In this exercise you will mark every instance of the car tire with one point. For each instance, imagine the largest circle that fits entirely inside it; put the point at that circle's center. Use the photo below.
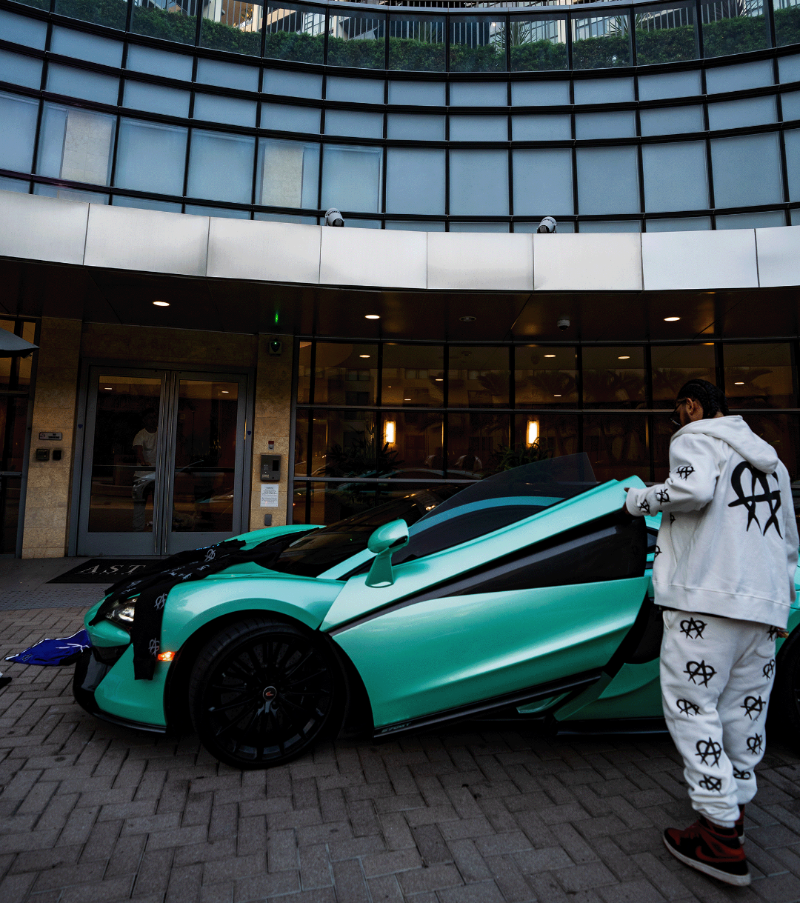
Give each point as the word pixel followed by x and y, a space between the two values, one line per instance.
pixel 263 691
pixel 784 706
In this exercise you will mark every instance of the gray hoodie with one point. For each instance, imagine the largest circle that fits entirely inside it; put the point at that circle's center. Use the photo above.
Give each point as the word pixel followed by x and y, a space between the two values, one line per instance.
pixel 728 539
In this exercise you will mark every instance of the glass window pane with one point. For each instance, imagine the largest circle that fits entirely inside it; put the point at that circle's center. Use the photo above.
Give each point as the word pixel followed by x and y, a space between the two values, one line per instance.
pixel 294 32
pixel 220 212
pixel 16 145
pixel 605 125
pixel 667 85
pixel 346 374
pixel 758 376
pixel 140 143
pixel 792 141
pixel 539 94
pixel 415 226
pixel 70 194
pixel 286 218
pixel 666 35
pixel 85 46
pixel 354 124
pixel 417 450
pixel 614 377
pixel 675 176
pixel 790 105
pixel 422 94
pixel 731 27
pixel 478 94
pixel 782 433
pixel 412 375
pixel 541 127
pixel 304 373
pixel 679 224
pixel 21 30
pixel 170 65
pixel 221 167
pixel 608 180
pixel 617 445
pixel 416 43
pixel 20 70
pixel 674 365
pixel 361 223
pixel 739 77
pixel 477 44
pixel 18 185
pixel 119 200
pixel 479 227
pixel 545 376
pixel 604 90
pixel 543 182
pixel 83 84
pixel 327 503
pixel 351 178
pixel 415 180
pixel 216 108
pixel 528 227
pixel 763 220
pixel 734 113
pixel 233 26
pixel 415 127
pixel 357 40
pixel 556 434
pixel 354 90
pixel 786 14
pixel 672 120
pixel 112 13
pixel 292 84
pixel 478 377
pixel 227 75
pixel 13 423
pixel 538 43
pixel 601 42
pixel 155 99
pixel 168 21
pixel 284 118
pixel 76 144
pixel 344 443
pixel 478 183
pixel 475 444
pixel 611 226
pixel 288 173
pixel 478 128
pixel 747 170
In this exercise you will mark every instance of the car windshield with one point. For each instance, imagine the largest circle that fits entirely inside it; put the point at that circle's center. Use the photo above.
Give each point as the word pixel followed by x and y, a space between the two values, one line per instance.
pixel 322 549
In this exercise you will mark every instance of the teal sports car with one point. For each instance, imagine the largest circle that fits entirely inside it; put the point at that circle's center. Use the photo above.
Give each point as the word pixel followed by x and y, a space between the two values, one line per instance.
pixel 523 596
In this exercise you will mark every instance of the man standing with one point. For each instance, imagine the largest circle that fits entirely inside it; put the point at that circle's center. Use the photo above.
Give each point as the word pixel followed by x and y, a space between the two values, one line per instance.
pixel 724 574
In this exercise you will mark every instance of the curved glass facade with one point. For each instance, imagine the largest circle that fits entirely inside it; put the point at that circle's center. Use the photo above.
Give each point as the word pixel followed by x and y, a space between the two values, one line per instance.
pixel 652 117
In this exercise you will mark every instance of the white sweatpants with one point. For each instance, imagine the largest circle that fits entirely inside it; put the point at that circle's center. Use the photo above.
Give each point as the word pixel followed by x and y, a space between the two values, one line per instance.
pixel 716 677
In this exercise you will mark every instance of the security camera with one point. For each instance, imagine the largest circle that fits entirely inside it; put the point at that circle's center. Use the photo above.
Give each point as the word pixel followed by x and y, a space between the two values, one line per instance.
pixel 333 218
pixel 563 323
pixel 275 346
pixel 548 224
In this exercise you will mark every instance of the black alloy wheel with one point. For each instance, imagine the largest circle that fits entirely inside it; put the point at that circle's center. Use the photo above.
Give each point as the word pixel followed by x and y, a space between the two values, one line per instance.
pixel 784 705
pixel 262 692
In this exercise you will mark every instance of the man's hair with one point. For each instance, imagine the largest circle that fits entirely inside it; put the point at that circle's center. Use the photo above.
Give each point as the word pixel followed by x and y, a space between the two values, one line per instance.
pixel 707 395
pixel 147 411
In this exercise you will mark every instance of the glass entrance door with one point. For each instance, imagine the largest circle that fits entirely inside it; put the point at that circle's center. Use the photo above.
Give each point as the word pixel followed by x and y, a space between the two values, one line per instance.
pixel 163 461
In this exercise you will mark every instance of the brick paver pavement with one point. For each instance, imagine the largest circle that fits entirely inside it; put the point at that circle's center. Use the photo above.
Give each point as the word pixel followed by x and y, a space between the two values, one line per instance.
pixel 93 812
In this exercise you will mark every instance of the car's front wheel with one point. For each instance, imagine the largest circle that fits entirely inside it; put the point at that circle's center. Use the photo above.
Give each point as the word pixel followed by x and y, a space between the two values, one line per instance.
pixel 262 692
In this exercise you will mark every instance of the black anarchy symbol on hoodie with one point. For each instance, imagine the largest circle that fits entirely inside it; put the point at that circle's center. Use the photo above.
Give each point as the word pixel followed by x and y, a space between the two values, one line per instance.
pixel 750 502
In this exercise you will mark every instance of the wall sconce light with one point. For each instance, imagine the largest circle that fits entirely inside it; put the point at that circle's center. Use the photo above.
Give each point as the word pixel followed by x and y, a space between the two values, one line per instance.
pixel 389 432
pixel 532 432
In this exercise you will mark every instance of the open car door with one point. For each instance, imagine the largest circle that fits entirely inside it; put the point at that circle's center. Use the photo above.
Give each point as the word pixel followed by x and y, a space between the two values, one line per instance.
pixel 516 589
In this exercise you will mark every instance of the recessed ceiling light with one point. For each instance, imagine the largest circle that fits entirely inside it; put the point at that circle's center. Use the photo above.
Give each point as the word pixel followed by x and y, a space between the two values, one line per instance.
pixel 363 355
pixel 624 357
pixel 671 319
pixel 556 396
pixel 549 355
pixel 108 388
pixel 225 392
pixel 372 316
pixel 738 384
pixel 161 303
pixel 439 379
pixel 708 343
pixel 406 399
pixel 467 319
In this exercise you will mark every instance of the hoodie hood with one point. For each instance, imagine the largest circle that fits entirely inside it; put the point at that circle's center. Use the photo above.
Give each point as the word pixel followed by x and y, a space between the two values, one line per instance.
pixel 733 430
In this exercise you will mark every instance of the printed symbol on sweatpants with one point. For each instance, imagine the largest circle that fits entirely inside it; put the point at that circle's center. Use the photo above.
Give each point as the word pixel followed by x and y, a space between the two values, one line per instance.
pixel 709 783
pixel 692 629
pixel 672 518
pixel 700 673
pixel 662 495
pixel 742 775
pixel 685 707
pixel 644 505
pixel 769 668
pixel 753 704
pixel 774 632
pixel 685 471
pixel 755 744
pixel 656 552
pixel 708 751
pixel 153 646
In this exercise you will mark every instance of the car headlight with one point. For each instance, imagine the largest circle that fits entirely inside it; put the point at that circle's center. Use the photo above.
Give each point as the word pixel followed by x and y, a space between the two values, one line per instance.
pixel 121 613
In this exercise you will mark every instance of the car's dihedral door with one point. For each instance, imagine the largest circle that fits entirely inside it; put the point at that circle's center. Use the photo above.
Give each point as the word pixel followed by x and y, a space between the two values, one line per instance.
pixel 540 601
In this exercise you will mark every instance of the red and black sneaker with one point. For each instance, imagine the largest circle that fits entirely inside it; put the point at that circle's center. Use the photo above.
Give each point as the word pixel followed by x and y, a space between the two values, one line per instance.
pixel 739 825
pixel 710 849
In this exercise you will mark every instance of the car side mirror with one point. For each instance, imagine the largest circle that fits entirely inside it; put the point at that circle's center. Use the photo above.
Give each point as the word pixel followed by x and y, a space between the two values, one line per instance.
pixel 383 542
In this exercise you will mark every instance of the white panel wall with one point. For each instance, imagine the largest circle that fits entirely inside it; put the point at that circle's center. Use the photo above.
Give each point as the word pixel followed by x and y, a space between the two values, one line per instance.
pixel 594 262
pixel 672 261
pixel 34 228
